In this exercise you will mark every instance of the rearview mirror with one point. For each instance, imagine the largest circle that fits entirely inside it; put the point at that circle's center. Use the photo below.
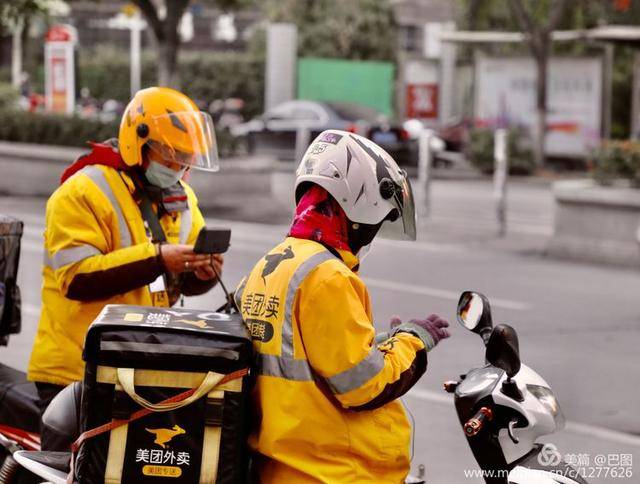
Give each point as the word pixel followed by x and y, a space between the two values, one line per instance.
pixel 474 313
pixel 503 349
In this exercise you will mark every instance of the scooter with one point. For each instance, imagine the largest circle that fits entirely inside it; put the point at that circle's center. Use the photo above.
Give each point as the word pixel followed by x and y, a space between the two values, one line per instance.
pixel 504 406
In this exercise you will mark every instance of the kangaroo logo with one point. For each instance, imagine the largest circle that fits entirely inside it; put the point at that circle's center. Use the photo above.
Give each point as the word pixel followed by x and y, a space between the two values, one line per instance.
pixel 164 436
pixel 201 323
pixel 273 261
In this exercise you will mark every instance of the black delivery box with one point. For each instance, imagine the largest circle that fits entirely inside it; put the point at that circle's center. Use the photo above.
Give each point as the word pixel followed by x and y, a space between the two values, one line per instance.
pixel 138 357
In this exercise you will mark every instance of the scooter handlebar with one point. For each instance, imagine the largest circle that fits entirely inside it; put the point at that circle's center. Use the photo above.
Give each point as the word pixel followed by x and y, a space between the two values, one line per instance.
pixel 475 424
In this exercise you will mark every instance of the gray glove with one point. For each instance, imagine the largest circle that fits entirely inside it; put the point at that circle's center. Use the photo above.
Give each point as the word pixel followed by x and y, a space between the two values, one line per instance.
pixel 430 330
pixel 385 335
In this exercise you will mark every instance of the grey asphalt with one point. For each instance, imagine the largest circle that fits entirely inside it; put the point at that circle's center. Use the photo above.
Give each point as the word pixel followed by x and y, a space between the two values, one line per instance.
pixel 578 324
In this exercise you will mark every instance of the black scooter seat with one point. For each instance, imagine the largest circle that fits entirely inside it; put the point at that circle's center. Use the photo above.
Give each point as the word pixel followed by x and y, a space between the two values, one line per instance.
pixel 18 400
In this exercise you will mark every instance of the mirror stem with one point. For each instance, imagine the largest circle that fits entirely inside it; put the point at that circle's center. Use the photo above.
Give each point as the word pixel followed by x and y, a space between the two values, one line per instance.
pixel 510 389
pixel 485 334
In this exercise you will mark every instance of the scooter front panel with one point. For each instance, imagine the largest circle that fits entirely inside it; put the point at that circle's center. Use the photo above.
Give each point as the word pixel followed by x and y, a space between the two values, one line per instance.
pixel 540 422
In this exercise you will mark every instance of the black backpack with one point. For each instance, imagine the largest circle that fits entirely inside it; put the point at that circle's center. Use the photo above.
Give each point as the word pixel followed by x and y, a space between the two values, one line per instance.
pixel 10 234
pixel 143 364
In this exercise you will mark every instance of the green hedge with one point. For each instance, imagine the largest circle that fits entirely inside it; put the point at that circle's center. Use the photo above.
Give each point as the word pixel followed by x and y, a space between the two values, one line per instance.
pixel 521 161
pixel 53 129
pixel 204 76
pixel 8 96
pixel 56 129
pixel 616 160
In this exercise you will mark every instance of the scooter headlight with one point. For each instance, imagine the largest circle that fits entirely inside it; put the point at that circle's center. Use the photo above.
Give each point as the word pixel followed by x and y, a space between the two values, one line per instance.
pixel 548 400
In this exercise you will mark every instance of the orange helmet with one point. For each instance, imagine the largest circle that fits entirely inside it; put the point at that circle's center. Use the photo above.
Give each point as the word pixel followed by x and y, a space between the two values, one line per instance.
pixel 169 122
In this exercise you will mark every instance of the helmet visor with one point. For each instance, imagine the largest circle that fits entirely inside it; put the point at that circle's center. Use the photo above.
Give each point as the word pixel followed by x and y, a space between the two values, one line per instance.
pixel 402 224
pixel 186 138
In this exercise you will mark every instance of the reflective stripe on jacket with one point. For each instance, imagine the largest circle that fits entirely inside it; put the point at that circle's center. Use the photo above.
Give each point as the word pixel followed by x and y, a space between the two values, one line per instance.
pixel 326 395
pixel 97 252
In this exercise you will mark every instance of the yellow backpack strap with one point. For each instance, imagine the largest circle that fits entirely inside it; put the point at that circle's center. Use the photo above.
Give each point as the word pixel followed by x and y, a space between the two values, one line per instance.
pixel 117 447
pixel 126 377
pixel 212 438
pixel 213 432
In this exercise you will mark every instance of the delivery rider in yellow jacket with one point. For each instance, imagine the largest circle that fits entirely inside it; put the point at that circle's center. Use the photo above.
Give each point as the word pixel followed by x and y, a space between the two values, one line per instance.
pixel 326 396
pixel 102 244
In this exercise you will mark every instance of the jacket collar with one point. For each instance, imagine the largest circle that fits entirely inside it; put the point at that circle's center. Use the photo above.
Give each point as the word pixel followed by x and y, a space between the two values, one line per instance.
pixel 350 260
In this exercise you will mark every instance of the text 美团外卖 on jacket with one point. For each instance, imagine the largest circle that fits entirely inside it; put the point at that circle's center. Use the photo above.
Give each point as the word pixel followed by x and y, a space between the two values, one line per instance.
pixel 97 252
pixel 326 396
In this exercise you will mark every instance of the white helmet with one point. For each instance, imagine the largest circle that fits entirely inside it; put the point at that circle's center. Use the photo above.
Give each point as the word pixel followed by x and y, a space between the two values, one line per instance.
pixel 363 178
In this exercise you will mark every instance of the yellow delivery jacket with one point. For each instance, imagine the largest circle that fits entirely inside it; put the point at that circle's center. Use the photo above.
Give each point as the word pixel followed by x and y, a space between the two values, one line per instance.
pixel 97 252
pixel 326 395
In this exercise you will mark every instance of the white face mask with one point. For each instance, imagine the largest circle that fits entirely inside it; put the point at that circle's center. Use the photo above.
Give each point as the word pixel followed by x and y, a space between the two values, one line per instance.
pixel 163 176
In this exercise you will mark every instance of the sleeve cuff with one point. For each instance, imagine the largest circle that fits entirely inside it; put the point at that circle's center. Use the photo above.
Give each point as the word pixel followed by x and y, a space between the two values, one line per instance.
pixel 382 337
pixel 417 331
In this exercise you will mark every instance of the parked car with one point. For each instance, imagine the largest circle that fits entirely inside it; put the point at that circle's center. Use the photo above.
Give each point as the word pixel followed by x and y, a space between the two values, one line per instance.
pixel 274 133
pixel 455 134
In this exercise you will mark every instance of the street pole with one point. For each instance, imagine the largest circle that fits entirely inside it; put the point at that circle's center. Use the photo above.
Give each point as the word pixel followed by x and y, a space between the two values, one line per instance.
pixel 281 64
pixel 424 167
pixel 500 179
pixel 608 89
pixel 635 98
pixel 447 78
pixel 16 54
pixel 136 27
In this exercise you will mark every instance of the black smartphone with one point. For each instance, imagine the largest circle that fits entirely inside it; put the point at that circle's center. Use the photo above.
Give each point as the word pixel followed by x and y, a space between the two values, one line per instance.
pixel 212 241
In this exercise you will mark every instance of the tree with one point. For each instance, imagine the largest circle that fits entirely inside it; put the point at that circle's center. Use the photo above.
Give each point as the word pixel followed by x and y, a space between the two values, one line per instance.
pixel 579 14
pixel 165 31
pixel 537 19
pixel 15 17
pixel 538 27
pixel 15 10
pixel 354 29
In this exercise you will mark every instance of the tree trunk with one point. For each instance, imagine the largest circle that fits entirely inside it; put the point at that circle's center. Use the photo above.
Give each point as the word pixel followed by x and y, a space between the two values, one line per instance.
pixel 167 60
pixel 541 108
pixel 540 45
pixel 16 55
pixel 165 34
pixel 26 45
pixel 169 44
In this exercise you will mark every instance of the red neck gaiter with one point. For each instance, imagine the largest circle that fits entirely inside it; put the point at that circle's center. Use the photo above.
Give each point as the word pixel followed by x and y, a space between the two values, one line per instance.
pixel 101 154
pixel 320 218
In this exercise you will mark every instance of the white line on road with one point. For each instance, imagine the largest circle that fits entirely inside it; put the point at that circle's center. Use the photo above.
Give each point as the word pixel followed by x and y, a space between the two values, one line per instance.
pixel 602 433
pixel 430 396
pixel 472 225
pixel 33 231
pixel 571 427
pixel 257 233
pixel 31 246
pixel 410 288
pixel 417 245
pixel 440 293
pixel 31 310
pixel 243 247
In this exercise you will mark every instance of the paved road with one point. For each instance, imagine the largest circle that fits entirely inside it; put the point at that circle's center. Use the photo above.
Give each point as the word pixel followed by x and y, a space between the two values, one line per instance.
pixel 577 324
